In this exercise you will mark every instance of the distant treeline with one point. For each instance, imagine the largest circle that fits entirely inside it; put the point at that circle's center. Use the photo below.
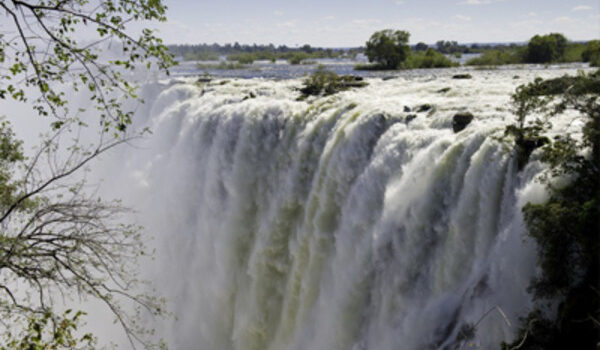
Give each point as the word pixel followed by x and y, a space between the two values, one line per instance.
pixel 551 48
pixel 247 54
pixel 453 47
pixel 544 49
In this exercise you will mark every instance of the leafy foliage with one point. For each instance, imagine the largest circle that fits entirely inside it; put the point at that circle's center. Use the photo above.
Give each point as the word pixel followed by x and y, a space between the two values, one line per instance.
pixel 39 49
pixel 497 57
pixel 552 48
pixel 428 59
pixel 48 331
pixel 591 53
pixel 388 48
pixel 56 238
pixel 566 227
pixel 546 48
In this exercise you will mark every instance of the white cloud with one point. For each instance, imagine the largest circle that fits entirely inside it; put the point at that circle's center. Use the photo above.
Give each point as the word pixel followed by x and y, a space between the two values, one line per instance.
pixel 478 2
pixel 399 2
pixel 463 18
pixel 563 19
pixel 532 14
pixel 582 8
pixel 287 24
pixel 278 13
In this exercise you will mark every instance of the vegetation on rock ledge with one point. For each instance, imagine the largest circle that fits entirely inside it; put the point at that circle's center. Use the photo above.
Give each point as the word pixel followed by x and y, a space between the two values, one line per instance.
pixel 324 82
pixel 567 227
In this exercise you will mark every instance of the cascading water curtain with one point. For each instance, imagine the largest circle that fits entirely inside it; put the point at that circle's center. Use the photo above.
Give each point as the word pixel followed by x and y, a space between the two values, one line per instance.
pixel 337 222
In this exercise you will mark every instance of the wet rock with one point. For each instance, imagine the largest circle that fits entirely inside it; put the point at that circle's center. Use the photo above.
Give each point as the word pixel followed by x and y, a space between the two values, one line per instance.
pixel 350 81
pixel 424 108
pixel 526 146
pixel 406 109
pixel 443 91
pixel 249 96
pixel 203 80
pixel 410 118
pixel 462 76
pixel 461 120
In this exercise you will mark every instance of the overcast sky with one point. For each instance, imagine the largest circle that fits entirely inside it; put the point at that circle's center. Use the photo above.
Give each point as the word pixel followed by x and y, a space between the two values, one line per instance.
pixel 343 23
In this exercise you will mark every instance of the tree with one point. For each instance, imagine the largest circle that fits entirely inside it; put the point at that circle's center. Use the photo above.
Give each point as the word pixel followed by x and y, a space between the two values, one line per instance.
pixel 388 48
pixel 58 239
pixel 591 53
pixel 421 46
pixel 448 46
pixel 546 48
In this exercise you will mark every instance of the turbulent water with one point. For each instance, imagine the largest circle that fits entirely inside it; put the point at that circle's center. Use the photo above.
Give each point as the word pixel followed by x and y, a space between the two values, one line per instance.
pixel 336 222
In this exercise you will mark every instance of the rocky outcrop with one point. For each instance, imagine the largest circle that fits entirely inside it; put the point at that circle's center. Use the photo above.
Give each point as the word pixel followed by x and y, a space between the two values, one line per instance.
pixel 423 108
pixel 461 120
pixel 462 76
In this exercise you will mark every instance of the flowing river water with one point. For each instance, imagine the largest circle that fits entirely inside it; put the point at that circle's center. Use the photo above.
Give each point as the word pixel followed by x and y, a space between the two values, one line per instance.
pixel 338 222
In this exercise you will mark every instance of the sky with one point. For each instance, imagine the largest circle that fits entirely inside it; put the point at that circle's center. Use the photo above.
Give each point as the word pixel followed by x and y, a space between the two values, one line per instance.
pixel 349 23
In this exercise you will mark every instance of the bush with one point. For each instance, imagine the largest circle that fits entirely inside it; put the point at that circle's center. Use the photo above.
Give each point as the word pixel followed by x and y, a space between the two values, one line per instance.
pixel 243 58
pixel 298 57
pixel 496 58
pixel 324 82
pixel 573 52
pixel 200 56
pixel 428 59
pixel 388 48
pixel 591 53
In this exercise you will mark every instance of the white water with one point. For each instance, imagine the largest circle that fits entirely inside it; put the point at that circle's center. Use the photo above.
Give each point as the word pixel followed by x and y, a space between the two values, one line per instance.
pixel 334 224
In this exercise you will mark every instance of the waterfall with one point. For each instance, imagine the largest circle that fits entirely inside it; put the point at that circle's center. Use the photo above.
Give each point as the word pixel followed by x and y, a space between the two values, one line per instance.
pixel 336 222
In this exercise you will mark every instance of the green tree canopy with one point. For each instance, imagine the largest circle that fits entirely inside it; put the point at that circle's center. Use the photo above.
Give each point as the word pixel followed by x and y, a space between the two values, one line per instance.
pixel 41 47
pixel 421 46
pixel 388 48
pixel 546 48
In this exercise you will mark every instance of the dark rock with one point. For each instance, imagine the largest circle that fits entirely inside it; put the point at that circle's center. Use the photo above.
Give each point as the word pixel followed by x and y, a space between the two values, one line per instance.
pixel 424 108
pixel 530 144
pixel 410 118
pixel 461 120
pixel 249 96
pixel 516 77
pixel 406 109
pixel 443 91
pixel 389 77
pixel 526 146
pixel 462 76
pixel 204 80
pixel 350 81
